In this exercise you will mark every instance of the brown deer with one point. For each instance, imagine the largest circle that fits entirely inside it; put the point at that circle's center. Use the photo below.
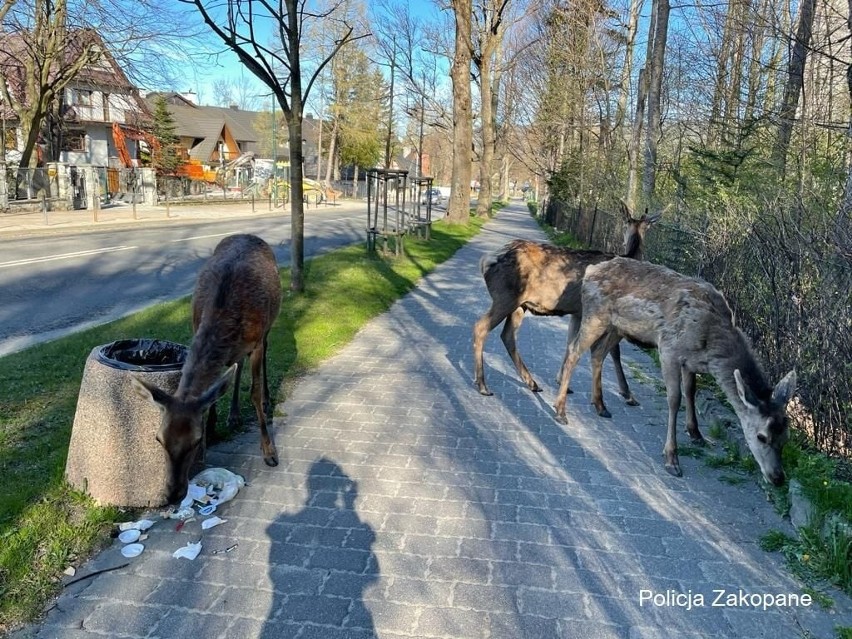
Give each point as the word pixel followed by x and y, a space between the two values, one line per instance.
pixel 693 328
pixel 235 302
pixel 545 280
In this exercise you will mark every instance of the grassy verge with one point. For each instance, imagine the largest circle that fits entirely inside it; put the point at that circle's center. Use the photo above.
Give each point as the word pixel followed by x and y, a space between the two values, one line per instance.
pixel 44 525
pixel 822 553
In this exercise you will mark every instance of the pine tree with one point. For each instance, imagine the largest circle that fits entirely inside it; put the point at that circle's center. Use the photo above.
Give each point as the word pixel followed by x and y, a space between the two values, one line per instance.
pixel 165 157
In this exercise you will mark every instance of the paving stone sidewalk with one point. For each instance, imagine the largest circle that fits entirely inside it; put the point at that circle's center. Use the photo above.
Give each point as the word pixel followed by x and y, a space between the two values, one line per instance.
pixel 407 505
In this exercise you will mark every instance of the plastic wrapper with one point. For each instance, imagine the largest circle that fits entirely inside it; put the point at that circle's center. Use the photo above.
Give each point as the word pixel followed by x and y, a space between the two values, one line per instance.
pixel 190 551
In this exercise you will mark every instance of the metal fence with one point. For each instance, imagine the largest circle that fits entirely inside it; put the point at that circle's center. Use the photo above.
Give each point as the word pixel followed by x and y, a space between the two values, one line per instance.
pixel 787 275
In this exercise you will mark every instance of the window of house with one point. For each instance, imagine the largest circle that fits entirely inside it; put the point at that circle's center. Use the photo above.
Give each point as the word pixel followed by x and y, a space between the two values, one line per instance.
pixel 81 97
pixel 74 141
pixel 106 107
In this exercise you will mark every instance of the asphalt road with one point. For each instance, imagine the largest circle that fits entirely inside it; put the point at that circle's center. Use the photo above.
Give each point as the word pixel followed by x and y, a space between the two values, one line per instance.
pixel 58 284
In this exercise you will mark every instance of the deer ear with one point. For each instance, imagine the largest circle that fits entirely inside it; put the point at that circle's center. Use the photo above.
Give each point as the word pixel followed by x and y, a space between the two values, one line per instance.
pixel 625 211
pixel 784 390
pixel 150 392
pixel 744 393
pixel 217 389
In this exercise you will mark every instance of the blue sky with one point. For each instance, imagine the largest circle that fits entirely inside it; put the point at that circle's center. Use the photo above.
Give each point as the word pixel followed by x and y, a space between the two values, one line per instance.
pixel 223 63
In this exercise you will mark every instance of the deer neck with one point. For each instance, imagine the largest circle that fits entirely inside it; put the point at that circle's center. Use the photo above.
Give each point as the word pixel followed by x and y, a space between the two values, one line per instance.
pixel 633 247
pixel 738 356
pixel 204 363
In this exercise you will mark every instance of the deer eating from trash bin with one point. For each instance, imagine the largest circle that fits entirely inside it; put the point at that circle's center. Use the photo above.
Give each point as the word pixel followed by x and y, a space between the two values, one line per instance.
pixel 692 326
pixel 545 280
pixel 236 300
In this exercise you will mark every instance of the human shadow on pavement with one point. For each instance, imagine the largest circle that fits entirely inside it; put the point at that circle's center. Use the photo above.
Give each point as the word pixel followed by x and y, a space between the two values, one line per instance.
pixel 321 561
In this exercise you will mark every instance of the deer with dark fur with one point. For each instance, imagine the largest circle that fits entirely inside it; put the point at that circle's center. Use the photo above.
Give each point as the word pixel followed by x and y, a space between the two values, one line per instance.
pixel 692 326
pixel 545 280
pixel 236 300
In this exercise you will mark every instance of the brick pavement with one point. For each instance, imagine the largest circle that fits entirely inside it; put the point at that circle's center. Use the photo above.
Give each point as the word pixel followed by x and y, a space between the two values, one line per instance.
pixel 407 505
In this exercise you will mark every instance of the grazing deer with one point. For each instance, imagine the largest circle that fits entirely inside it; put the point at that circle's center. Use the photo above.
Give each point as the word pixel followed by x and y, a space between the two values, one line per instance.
pixel 236 300
pixel 693 328
pixel 544 280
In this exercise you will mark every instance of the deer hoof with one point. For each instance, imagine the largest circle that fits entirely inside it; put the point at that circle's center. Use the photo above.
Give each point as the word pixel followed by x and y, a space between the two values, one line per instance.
pixel 561 418
pixel 271 459
pixel 484 391
pixel 698 440
pixel 535 388
pixel 674 470
pixel 603 412
pixel 631 401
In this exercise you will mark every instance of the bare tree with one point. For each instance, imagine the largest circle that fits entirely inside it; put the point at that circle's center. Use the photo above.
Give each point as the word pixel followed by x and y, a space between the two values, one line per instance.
pixel 795 80
pixel 458 210
pixel 44 44
pixel 657 35
pixel 490 27
pixel 278 65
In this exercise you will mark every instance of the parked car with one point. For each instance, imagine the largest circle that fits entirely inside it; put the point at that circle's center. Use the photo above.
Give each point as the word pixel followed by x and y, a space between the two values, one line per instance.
pixel 432 195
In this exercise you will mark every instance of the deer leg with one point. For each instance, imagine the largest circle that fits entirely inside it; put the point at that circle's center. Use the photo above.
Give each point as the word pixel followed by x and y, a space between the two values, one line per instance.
pixel 599 351
pixel 508 335
pixel 590 332
pixel 672 378
pixel 267 398
pixel 483 326
pixel 691 418
pixel 234 420
pixel 623 388
pixel 267 444
pixel 573 328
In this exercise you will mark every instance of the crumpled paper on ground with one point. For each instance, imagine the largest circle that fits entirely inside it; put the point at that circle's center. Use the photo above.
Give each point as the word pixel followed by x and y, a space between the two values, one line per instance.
pixel 190 551
pixel 212 521
pixel 142 524
pixel 219 484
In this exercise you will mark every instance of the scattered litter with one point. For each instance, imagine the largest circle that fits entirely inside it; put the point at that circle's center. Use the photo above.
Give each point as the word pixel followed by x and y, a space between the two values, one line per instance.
pixel 132 550
pixel 207 510
pixel 212 521
pixel 190 551
pixel 70 571
pixel 129 536
pixel 224 550
pixel 220 484
pixel 184 513
pixel 142 524
pixel 196 492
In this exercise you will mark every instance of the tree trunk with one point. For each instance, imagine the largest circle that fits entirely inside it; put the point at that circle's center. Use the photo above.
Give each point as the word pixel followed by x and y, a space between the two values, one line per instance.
pixel 332 150
pixel 294 122
pixel 843 235
pixel 483 202
pixel 793 89
pixel 635 140
pixel 458 210
pixel 627 69
pixel 655 87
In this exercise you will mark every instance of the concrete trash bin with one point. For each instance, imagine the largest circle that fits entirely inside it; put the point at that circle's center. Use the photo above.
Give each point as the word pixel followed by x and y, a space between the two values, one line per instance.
pixel 114 455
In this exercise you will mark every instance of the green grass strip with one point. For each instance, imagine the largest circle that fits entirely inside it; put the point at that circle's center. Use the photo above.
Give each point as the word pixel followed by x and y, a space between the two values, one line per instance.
pixel 44 525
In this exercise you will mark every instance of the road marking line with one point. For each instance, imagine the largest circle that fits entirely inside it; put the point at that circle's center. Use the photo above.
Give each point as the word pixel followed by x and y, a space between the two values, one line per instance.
pixel 65 256
pixel 201 237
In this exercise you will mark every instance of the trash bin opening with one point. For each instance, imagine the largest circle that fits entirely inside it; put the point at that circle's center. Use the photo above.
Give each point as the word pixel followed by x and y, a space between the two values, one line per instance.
pixel 143 355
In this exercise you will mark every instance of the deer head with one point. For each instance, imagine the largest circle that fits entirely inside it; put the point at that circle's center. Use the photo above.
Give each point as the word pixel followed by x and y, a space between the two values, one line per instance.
pixel 635 228
pixel 181 431
pixel 765 426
